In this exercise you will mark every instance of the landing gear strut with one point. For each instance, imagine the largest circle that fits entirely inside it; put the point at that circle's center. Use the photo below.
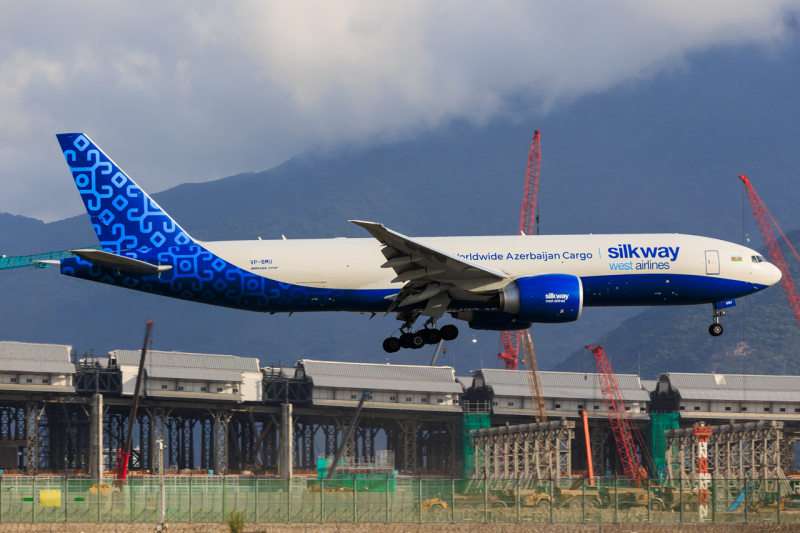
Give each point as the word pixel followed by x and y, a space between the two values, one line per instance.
pixel 716 328
pixel 416 340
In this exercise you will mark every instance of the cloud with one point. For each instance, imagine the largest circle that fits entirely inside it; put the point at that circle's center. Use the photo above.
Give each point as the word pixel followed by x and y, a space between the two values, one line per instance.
pixel 192 91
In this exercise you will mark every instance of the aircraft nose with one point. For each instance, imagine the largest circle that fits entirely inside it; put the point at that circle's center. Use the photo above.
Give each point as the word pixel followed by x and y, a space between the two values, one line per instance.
pixel 776 274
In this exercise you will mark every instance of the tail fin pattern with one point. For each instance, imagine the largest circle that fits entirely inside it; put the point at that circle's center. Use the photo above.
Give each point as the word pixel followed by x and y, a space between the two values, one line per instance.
pixel 124 217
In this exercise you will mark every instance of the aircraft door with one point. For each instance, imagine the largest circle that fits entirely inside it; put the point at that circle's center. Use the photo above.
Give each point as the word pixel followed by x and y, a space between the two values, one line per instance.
pixel 712 262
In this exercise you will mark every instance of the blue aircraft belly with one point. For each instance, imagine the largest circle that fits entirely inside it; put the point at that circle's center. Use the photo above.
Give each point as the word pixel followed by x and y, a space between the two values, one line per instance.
pixel 661 289
pixel 199 276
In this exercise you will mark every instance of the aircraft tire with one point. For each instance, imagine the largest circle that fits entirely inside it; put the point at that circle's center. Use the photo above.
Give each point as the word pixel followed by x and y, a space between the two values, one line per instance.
pixel 416 341
pixel 449 332
pixel 404 340
pixel 433 336
pixel 715 330
pixel 391 345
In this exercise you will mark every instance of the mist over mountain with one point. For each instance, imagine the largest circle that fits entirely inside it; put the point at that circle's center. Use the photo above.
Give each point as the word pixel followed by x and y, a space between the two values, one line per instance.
pixel 653 156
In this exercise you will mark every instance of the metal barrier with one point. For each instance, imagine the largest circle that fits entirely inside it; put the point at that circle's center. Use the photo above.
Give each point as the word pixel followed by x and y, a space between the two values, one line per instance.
pixel 391 499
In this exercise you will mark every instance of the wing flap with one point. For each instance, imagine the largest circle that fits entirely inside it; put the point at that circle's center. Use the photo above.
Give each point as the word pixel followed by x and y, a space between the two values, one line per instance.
pixel 430 274
pixel 410 254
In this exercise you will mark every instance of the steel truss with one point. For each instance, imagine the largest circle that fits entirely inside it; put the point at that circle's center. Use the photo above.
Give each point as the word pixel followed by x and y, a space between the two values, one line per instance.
pixel 54 434
pixel 747 451
pixel 221 421
pixel 539 451
pixel 158 416
pixel 598 436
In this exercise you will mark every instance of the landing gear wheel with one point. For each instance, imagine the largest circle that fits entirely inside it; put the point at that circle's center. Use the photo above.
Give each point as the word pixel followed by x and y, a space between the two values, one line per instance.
pixel 432 336
pixel 391 345
pixel 415 341
pixel 405 339
pixel 715 330
pixel 449 332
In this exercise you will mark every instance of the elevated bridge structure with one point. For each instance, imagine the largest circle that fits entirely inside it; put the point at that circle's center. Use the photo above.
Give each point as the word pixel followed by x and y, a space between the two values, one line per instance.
pixel 61 413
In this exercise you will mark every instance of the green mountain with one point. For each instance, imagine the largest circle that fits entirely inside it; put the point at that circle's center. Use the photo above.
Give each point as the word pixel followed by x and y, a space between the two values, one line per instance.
pixel 761 336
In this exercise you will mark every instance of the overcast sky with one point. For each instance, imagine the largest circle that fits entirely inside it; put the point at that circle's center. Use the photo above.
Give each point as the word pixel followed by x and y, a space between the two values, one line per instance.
pixel 194 91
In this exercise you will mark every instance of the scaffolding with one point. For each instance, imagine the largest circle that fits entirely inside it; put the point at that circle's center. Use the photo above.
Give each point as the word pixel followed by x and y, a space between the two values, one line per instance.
pixel 540 451
pixel 735 453
pixel 382 462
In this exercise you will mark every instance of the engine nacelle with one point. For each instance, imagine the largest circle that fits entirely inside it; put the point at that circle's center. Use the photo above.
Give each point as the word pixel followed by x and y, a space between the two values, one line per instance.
pixel 549 298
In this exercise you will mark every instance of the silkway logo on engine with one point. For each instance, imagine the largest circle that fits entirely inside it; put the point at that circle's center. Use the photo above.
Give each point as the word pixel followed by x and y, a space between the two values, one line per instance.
pixel 555 298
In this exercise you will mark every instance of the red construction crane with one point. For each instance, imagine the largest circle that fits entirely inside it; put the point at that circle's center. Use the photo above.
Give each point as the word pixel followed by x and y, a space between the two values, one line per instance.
pixel 124 454
pixel 510 340
pixel 510 353
pixel 621 426
pixel 526 218
pixel 516 343
pixel 760 212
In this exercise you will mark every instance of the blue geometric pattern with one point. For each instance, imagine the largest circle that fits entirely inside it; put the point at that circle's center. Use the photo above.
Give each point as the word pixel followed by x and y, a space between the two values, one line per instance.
pixel 126 220
pixel 197 275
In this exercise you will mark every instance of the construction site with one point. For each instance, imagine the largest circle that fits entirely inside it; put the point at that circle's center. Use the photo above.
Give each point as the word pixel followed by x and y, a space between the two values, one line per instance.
pixel 145 436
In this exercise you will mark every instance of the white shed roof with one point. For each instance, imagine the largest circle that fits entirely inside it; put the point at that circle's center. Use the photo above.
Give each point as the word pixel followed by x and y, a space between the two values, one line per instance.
pixel 205 361
pixel 734 387
pixel 370 376
pixel 29 357
pixel 565 385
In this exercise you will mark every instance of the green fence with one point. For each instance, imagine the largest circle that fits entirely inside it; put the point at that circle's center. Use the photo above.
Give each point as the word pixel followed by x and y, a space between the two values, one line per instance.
pixel 209 499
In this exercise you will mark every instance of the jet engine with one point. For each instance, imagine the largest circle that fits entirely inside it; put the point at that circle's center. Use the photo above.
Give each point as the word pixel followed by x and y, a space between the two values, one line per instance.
pixel 549 298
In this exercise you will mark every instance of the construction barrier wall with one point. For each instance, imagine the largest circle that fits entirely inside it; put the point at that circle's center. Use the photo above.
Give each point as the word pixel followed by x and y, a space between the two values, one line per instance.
pixel 210 499
pixel 469 423
pixel 657 441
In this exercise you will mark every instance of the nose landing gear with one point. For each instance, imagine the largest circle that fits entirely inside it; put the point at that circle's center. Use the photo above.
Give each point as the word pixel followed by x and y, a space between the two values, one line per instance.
pixel 716 328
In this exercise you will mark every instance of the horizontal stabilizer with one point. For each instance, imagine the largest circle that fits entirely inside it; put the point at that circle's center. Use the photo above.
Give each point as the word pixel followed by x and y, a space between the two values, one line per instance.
pixel 119 262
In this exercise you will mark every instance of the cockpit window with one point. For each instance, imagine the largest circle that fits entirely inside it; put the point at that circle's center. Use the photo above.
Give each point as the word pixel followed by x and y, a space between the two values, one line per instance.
pixel 758 259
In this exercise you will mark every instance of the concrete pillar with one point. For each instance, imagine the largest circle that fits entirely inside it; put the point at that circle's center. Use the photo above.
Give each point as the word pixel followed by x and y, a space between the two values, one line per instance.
pixel 96 438
pixel 285 466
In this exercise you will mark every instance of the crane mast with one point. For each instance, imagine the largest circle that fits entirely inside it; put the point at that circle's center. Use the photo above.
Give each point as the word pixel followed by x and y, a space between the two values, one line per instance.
pixel 516 343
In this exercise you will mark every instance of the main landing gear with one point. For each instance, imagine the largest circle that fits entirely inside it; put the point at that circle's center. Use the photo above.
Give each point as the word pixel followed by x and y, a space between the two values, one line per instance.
pixel 416 340
pixel 716 328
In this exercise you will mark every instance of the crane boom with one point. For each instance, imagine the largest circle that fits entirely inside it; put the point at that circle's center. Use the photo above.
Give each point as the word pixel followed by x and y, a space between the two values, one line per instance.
pixel 348 435
pixel 760 212
pixel 534 383
pixel 514 342
pixel 509 355
pixel 526 218
pixel 615 406
pixel 38 260
pixel 124 454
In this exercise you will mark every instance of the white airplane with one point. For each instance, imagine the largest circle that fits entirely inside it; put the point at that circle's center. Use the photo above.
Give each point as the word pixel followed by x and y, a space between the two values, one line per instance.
pixel 493 283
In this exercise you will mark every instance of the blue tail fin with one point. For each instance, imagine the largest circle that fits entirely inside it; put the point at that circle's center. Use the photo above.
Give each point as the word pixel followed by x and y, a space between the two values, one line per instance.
pixel 123 215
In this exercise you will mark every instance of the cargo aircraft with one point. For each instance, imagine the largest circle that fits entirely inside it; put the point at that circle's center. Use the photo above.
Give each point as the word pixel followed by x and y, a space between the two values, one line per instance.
pixel 492 283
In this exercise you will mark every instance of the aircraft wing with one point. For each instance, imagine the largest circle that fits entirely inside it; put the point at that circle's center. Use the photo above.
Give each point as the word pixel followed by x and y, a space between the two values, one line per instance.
pixel 119 262
pixel 428 271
